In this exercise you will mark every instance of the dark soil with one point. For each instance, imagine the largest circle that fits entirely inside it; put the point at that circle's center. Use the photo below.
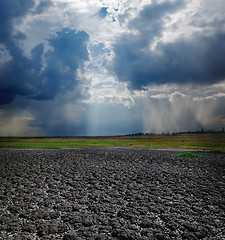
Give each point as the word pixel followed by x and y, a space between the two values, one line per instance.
pixel 106 193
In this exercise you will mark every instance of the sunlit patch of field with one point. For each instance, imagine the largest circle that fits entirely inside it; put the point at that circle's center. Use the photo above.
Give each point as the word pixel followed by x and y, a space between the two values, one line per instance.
pixel 202 141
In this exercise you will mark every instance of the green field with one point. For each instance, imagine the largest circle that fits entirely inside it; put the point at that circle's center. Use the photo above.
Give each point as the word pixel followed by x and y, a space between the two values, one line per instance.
pixel 202 141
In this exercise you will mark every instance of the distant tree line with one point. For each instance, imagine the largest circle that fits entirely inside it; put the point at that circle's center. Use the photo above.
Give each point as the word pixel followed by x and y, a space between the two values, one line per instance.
pixel 168 133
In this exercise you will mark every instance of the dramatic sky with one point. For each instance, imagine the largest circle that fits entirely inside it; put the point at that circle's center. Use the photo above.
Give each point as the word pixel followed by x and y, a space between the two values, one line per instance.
pixel 109 67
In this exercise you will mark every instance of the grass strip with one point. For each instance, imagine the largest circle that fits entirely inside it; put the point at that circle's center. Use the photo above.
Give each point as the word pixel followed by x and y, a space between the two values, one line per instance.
pixel 189 154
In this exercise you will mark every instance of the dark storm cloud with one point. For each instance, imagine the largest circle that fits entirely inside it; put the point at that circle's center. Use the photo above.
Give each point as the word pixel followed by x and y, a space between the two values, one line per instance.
pixel 27 81
pixel 9 10
pixel 199 60
pixel 43 75
pixel 151 19
pixel 60 73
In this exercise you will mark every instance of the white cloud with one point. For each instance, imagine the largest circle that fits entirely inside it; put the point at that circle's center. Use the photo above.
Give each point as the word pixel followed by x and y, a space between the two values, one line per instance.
pixel 212 97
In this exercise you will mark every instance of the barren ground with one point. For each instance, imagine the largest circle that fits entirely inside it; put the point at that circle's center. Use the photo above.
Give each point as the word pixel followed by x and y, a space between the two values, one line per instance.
pixel 111 193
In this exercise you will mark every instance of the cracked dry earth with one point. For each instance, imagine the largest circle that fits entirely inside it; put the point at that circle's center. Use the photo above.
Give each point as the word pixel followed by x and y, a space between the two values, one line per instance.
pixel 111 193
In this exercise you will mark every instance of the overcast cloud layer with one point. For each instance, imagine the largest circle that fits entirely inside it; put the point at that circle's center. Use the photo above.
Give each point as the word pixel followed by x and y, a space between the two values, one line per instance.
pixel 111 67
